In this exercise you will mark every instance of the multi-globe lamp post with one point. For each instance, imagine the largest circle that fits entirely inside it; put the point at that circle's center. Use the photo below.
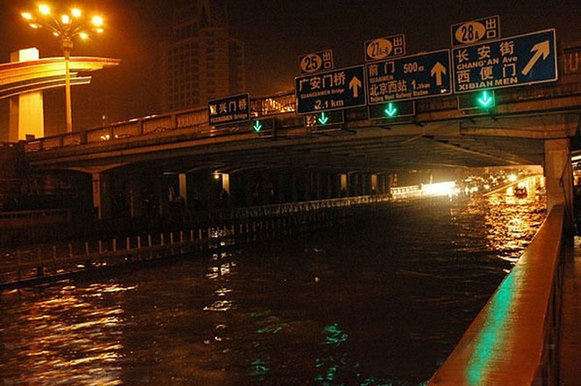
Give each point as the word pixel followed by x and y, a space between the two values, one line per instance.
pixel 65 26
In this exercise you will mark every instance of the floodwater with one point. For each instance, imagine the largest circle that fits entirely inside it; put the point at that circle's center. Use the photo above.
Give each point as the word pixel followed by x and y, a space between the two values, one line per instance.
pixel 379 300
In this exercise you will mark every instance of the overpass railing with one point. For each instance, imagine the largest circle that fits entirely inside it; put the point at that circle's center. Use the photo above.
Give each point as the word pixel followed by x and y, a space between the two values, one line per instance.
pixel 196 119
pixel 514 339
pixel 19 219
pixel 305 206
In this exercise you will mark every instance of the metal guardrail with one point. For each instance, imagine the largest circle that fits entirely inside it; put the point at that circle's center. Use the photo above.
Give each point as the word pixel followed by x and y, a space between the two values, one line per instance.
pixel 304 206
pixel 34 213
pixel 196 119
pixel 33 265
pixel 514 339
pixel 34 218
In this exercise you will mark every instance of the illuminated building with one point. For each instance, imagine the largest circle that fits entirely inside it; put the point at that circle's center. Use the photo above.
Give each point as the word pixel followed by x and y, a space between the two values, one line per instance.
pixel 202 61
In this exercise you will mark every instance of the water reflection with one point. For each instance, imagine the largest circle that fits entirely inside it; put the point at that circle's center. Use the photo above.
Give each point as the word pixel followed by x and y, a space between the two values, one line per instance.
pixel 72 336
pixel 381 300
pixel 512 220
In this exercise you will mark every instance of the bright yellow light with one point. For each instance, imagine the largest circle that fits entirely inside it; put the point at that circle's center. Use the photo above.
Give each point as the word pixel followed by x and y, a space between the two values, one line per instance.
pixel 100 30
pixel 512 178
pixel 44 9
pixel 216 175
pixel 35 26
pixel 84 35
pixel 26 15
pixel 439 189
pixel 76 12
pixel 66 19
pixel 56 34
pixel 97 21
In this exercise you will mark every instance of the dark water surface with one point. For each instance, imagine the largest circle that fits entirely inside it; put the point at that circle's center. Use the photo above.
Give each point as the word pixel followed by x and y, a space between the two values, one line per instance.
pixel 380 300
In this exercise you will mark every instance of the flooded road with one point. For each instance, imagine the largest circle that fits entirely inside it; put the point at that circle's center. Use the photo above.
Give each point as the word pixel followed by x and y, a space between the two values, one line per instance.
pixel 380 300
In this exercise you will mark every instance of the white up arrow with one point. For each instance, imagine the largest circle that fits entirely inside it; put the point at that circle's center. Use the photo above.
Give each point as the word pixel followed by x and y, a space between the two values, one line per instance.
pixel 354 85
pixel 438 70
pixel 540 49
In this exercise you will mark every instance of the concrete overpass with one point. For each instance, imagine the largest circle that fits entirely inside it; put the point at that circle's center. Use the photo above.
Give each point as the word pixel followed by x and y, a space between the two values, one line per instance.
pixel 529 125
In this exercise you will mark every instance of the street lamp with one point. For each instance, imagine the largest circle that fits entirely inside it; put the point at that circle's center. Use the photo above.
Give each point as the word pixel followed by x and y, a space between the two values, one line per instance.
pixel 64 27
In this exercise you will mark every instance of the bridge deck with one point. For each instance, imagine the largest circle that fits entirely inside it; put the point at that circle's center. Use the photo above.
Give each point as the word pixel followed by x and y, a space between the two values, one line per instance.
pixel 570 373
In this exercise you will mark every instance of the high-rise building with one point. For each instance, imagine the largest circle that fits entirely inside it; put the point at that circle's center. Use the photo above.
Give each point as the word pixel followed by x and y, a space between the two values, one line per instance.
pixel 202 61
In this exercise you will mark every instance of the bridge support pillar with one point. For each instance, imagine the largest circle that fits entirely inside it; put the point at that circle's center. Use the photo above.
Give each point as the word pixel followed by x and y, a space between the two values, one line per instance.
pixel 381 183
pixel 558 174
pixel 294 191
pixel 26 110
pixel 343 186
pixel 183 187
pixel 363 184
pixel 280 188
pixel 318 187
pixel 374 184
pixel 329 186
pixel 134 195
pixel 308 181
pixel 102 195
pixel 353 184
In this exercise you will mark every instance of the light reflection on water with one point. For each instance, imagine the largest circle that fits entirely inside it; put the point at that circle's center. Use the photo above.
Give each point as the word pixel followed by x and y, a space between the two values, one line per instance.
pixel 513 221
pixel 379 301
pixel 72 336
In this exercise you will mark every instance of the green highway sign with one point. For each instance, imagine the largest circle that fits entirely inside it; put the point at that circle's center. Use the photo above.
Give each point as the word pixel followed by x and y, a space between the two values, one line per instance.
pixel 229 110
pixel 508 62
pixel 330 90
pixel 410 77
pixel 325 120
pixel 480 100
pixel 264 126
pixel 392 110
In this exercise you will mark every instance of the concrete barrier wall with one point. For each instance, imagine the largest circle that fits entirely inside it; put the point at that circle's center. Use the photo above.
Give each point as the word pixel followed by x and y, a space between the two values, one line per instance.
pixel 514 339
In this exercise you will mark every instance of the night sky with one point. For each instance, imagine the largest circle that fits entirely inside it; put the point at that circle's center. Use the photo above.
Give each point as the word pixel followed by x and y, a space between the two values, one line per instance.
pixel 275 32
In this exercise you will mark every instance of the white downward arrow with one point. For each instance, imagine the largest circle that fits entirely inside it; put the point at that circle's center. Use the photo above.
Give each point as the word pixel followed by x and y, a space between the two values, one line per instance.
pixel 354 85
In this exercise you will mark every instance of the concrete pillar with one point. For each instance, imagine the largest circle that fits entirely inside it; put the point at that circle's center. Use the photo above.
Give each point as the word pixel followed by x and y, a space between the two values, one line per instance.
pixel 160 192
pixel 384 183
pixel 374 185
pixel 211 184
pixel 280 188
pixel 102 195
pixel 26 110
pixel 308 185
pixel 134 195
pixel 225 195
pixel 294 191
pixel 558 174
pixel 183 187
pixel 247 188
pixel 343 185
pixel 360 184
pixel 226 182
pixel 318 187
pixel 352 184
